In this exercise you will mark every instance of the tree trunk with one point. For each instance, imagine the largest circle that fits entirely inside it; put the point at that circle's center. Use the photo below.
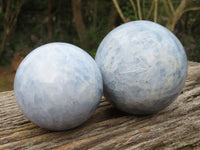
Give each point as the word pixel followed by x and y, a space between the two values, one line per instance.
pixel 1 6
pixel 79 24
pixel 95 15
pixel 139 10
pixel 150 10
pixel 176 15
pixel 166 8
pixel 3 43
pixel 50 20
pixel 10 20
pixel 171 6
pixel 113 17
pixel 116 4
pixel 156 11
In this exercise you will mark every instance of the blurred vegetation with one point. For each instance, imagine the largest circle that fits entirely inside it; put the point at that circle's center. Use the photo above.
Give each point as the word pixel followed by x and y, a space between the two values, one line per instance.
pixel 27 24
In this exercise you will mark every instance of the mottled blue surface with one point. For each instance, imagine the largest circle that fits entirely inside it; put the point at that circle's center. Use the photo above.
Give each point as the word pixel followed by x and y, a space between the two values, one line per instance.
pixel 143 65
pixel 58 86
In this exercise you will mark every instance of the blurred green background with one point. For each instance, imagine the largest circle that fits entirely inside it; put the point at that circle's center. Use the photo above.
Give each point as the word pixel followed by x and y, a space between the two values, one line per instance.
pixel 27 24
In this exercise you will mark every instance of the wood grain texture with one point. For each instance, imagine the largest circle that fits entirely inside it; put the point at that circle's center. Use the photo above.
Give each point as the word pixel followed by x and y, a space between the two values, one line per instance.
pixel 176 127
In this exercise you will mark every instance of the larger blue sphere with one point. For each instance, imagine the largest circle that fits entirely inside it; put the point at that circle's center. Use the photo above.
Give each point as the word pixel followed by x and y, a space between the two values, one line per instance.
pixel 143 65
pixel 58 86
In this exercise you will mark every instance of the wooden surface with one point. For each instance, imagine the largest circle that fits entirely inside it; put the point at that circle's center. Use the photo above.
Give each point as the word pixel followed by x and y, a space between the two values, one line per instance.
pixel 176 127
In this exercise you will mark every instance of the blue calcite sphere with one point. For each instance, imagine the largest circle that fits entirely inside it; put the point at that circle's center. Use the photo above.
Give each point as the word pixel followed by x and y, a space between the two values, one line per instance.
pixel 143 65
pixel 58 86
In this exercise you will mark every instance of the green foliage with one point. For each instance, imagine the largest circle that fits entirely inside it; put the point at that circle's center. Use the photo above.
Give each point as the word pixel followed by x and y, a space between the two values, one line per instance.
pixel 13 7
pixel 92 53
pixel 128 11
pixel 2 14
pixel 191 45
pixel 32 26
pixel 96 20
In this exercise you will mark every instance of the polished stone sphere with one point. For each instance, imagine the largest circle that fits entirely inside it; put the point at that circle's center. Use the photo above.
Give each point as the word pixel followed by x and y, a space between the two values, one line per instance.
pixel 143 65
pixel 58 86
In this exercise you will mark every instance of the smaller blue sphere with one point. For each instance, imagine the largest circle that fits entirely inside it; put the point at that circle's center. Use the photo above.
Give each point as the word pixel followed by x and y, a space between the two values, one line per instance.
pixel 58 86
pixel 143 65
